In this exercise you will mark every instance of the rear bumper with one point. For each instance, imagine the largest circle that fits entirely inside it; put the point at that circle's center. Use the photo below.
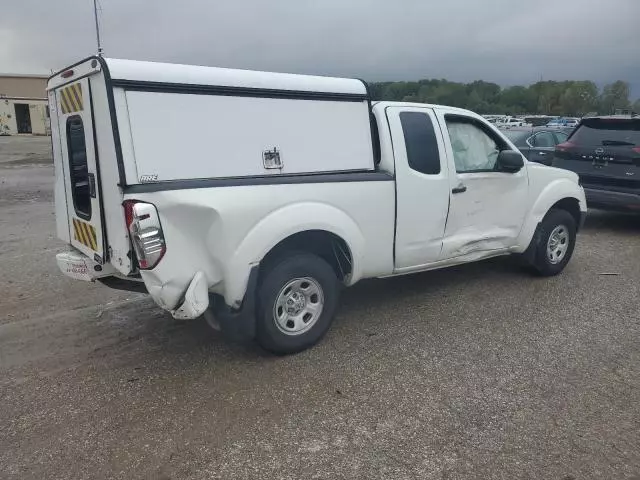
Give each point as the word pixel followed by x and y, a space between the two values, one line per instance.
pixel 611 200
pixel 77 265
pixel 236 324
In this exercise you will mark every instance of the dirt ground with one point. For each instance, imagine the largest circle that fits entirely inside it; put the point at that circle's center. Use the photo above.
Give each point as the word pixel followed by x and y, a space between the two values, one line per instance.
pixel 475 372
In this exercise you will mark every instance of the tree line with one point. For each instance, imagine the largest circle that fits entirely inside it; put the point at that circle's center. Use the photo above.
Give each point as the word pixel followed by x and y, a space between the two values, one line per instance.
pixel 569 98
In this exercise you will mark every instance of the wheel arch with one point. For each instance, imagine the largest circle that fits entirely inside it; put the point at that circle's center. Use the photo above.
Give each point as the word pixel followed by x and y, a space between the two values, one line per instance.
pixel 327 245
pixel 562 194
pixel 571 205
pixel 317 226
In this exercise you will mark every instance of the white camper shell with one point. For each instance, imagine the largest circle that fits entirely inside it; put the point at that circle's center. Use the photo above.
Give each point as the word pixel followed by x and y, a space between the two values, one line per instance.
pixel 251 197
pixel 154 122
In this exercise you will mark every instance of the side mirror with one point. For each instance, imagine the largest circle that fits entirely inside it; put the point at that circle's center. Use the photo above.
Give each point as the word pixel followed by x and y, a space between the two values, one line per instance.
pixel 510 161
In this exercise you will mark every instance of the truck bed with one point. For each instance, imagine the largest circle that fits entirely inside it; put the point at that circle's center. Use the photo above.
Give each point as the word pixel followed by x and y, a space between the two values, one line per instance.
pixel 221 229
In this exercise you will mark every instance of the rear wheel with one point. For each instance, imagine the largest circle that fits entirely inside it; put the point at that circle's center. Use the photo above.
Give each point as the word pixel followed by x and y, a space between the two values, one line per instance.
pixel 554 243
pixel 297 300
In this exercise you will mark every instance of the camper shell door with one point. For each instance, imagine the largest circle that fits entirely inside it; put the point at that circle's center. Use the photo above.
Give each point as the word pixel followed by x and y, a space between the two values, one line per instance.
pixel 74 142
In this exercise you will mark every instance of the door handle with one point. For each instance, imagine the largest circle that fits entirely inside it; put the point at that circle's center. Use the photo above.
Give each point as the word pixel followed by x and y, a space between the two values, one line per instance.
pixel 459 189
pixel 92 185
pixel 542 153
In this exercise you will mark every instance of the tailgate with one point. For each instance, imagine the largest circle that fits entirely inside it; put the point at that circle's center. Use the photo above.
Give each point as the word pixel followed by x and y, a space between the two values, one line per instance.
pixel 73 109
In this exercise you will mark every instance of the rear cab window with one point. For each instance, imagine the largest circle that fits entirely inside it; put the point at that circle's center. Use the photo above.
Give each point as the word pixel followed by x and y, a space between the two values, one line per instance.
pixel 608 132
pixel 420 140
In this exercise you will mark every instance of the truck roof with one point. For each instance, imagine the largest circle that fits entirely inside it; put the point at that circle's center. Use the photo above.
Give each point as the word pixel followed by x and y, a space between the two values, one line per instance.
pixel 134 70
pixel 461 111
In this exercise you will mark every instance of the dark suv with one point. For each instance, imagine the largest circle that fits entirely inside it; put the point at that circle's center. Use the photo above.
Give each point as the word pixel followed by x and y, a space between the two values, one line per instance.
pixel 605 153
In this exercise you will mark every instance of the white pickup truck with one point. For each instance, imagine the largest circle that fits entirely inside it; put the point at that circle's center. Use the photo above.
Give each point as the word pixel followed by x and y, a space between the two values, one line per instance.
pixel 251 198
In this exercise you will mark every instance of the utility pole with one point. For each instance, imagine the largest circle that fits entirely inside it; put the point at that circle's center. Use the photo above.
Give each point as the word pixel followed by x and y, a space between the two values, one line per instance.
pixel 95 15
pixel 539 95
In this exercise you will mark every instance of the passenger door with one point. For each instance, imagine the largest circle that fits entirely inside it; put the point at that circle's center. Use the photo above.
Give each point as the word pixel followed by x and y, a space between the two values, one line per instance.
pixel 488 206
pixel 542 146
pixel 422 186
pixel 81 180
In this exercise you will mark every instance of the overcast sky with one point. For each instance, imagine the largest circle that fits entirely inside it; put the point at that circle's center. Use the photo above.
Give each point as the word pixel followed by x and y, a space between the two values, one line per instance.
pixel 505 41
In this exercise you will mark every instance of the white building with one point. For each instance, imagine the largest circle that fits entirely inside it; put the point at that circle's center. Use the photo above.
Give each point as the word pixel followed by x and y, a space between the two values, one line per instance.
pixel 23 105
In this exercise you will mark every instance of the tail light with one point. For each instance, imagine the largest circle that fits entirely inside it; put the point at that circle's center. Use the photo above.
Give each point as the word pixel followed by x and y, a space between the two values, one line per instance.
pixel 145 231
pixel 563 147
pixel 636 149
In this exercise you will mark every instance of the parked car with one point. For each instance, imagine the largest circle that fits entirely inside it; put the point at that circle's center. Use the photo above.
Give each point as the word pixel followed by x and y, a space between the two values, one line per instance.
pixel 564 122
pixel 605 152
pixel 280 189
pixel 509 122
pixel 492 118
pixel 538 120
pixel 538 143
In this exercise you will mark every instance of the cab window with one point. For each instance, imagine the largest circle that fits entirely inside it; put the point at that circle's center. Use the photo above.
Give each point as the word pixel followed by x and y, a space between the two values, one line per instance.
pixel 421 143
pixel 544 140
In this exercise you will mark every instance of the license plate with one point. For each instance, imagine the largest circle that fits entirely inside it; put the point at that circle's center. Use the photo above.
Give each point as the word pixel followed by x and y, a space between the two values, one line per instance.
pixel 74 267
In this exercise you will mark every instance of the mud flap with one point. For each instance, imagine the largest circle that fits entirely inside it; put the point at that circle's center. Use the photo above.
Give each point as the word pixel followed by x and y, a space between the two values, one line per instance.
pixel 237 325
pixel 528 256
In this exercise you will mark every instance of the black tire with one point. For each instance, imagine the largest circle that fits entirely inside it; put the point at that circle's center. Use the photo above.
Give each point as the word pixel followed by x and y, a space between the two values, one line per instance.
pixel 279 273
pixel 540 261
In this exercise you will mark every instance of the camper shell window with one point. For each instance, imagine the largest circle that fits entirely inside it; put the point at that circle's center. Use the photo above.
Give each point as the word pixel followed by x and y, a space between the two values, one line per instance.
pixel 78 169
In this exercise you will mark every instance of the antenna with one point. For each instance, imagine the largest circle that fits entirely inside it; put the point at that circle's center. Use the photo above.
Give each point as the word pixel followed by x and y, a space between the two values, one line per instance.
pixel 95 15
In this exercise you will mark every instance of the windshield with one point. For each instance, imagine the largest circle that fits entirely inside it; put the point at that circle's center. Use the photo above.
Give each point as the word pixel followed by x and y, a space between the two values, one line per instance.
pixel 517 136
pixel 608 132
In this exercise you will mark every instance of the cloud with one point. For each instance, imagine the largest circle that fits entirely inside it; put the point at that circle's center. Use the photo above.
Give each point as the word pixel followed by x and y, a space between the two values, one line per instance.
pixel 505 41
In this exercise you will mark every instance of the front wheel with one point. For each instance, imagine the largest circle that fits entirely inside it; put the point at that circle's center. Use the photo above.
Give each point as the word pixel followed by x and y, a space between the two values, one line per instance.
pixel 555 243
pixel 297 300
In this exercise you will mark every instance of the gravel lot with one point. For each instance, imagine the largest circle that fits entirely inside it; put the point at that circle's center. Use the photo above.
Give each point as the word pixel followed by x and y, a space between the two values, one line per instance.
pixel 475 372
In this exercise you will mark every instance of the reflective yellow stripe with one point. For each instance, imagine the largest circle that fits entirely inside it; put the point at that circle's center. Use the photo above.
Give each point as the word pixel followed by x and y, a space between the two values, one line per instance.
pixel 94 239
pixel 80 232
pixel 67 99
pixel 77 90
pixel 75 229
pixel 72 101
pixel 71 98
pixel 85 233
pixel 63 102
pixel 83 237
pixel 90 236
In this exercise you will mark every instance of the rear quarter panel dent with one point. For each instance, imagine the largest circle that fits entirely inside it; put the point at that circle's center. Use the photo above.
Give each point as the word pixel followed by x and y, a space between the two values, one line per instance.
pixel 225 231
